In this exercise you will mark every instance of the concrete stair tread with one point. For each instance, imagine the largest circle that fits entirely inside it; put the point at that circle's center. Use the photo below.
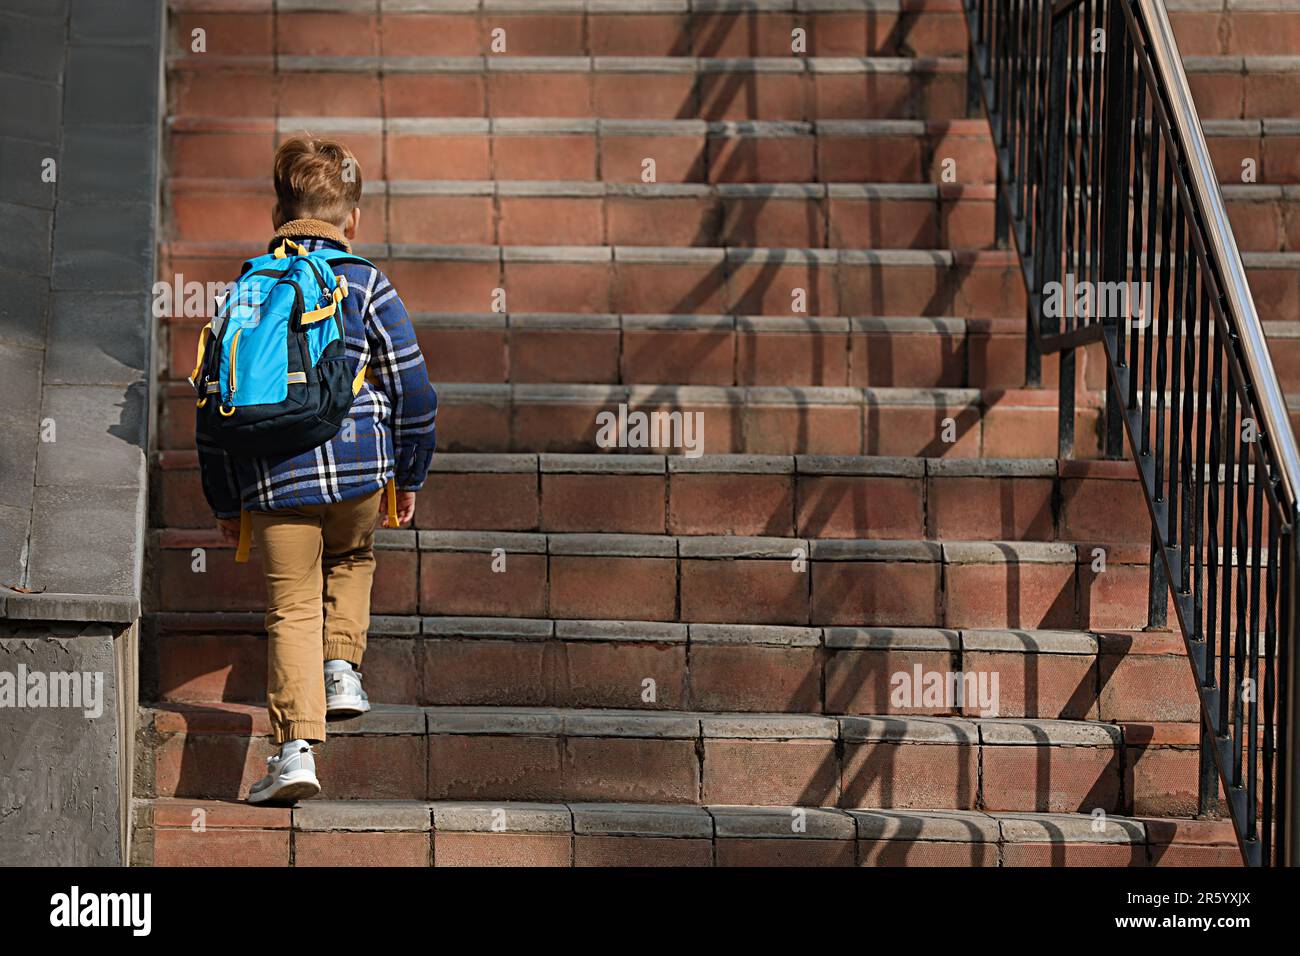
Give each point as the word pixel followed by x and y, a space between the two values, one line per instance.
pixel 581 188
pixel 723 546
pixel 524 833
pixel 820 420
pixel 1114 676
pixel 800 255
pixel 658 396
pixel 342 124
pixel 222 717
pixel 1006 640
pixel 683 64
pixel 598 7
pixel 720 350
pixel 683 820
pixel 638 463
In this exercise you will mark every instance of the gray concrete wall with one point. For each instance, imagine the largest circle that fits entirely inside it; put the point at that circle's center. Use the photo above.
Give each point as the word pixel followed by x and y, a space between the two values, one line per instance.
pixel 79 143
pixel 59 765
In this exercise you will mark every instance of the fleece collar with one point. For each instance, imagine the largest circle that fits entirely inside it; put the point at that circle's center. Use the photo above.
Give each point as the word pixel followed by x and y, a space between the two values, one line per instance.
pixel 313 229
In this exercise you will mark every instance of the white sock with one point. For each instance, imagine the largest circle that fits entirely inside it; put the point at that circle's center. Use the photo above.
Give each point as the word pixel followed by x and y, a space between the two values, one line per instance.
pixel 337 664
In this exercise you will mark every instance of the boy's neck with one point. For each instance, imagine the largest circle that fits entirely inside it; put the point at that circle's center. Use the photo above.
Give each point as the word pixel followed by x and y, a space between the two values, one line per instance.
pixel 313 229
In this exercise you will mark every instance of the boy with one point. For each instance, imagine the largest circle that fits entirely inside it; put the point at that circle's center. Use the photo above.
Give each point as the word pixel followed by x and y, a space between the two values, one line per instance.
pixel 313 515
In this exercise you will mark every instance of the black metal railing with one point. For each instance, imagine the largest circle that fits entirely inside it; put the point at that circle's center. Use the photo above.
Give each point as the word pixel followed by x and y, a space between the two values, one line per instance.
pixel 1106 186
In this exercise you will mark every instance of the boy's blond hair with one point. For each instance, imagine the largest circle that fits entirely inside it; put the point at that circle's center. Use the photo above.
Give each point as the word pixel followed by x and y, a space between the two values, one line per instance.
pixel 315 179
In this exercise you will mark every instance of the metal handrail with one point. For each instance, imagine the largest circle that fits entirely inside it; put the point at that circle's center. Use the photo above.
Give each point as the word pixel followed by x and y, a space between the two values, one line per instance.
pixel 1232 275
pixel 1103 170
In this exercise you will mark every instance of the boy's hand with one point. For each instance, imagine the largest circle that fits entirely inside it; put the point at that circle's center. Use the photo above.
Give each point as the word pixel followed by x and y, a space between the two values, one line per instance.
pixel 229 528
pixel 405 507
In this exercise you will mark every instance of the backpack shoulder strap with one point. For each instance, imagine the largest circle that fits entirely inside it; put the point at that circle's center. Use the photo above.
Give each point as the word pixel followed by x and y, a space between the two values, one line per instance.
pixel 338 257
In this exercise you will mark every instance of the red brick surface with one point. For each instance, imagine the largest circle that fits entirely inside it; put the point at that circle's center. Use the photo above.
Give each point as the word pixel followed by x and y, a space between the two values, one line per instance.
pixel 209 742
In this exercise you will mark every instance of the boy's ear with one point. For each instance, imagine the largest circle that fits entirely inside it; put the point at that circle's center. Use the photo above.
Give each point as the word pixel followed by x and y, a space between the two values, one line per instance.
pixel 353 221
pixel 277 217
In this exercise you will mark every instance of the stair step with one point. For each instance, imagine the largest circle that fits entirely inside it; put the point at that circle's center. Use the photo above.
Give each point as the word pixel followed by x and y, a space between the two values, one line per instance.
pixel 710 280
pixel 904 151
pixel 1114 676
pixel 746 88
pixel 718 350
pixel 958 423
pixel 1261 216
pixel 700 579
pixel 1229 87
pixel 739 350
pixel 582 212
pixel 457 833
pixel 901 151
pixel 671 280
pixel 783 496
pixel 781 87
pixel 545 754
pixel 1257 27
pixel 541 28
pixel 577 212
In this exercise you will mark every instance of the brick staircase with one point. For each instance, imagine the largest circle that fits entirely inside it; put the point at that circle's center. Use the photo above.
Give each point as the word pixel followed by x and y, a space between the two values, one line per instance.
pixel 691 660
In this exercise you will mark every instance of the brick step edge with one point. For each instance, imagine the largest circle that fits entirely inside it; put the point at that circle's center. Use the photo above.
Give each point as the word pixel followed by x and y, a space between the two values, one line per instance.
pixel 885 498
pixel 1111 676
pixel 250 722
pixel 554 755
pixel 343 833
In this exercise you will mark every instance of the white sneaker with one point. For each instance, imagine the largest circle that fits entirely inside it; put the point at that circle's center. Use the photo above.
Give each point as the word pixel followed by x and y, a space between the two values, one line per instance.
pixel 343 694
pixel 290 775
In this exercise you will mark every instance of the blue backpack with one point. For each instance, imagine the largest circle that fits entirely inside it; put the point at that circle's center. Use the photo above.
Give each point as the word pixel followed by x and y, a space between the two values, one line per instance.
pixel 272 374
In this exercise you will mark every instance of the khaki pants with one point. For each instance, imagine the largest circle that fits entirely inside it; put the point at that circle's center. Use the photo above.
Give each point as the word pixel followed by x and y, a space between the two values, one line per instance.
pixel 319 566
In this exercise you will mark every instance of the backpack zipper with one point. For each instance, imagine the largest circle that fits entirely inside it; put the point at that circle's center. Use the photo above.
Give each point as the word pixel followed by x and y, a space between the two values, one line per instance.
pixel 234 344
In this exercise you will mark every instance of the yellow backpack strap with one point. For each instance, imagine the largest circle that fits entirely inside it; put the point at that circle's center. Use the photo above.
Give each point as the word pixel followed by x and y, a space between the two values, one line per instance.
pixel 359 379
pixel 390 492
pixel 282 250
pixel 325 312
pixel 245 536
pixel 204 333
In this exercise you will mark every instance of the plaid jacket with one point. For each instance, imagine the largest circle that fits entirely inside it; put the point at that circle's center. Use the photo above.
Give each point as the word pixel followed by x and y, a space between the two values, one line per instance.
pixel 392 416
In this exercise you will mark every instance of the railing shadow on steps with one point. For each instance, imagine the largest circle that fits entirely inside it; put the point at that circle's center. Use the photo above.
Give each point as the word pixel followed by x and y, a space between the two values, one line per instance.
pixel 1105 185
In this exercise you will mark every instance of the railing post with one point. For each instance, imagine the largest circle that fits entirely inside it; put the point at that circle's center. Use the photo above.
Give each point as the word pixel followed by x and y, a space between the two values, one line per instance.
pixel 1116 150
pixel 972 83
pixel 1047 260
pixel 1288 669
pixel 1157 586
pixel 1208 777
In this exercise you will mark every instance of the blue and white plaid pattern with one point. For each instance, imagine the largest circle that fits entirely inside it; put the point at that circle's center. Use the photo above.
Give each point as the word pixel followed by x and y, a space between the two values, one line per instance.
pixel 392 418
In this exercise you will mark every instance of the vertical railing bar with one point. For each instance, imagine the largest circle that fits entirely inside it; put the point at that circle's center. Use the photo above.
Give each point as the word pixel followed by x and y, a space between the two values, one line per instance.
pixel 1187 421
pixel 1099 109
pixel 1201 559
pixel 1151 257
pixel 1214 498
pixel 1242 561
pixel 1135 247
pixel 1229 545
pixel 1225 520
pixel 1270 687
pixel 1253 634
pixel 1162 333
pixel 1070 163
